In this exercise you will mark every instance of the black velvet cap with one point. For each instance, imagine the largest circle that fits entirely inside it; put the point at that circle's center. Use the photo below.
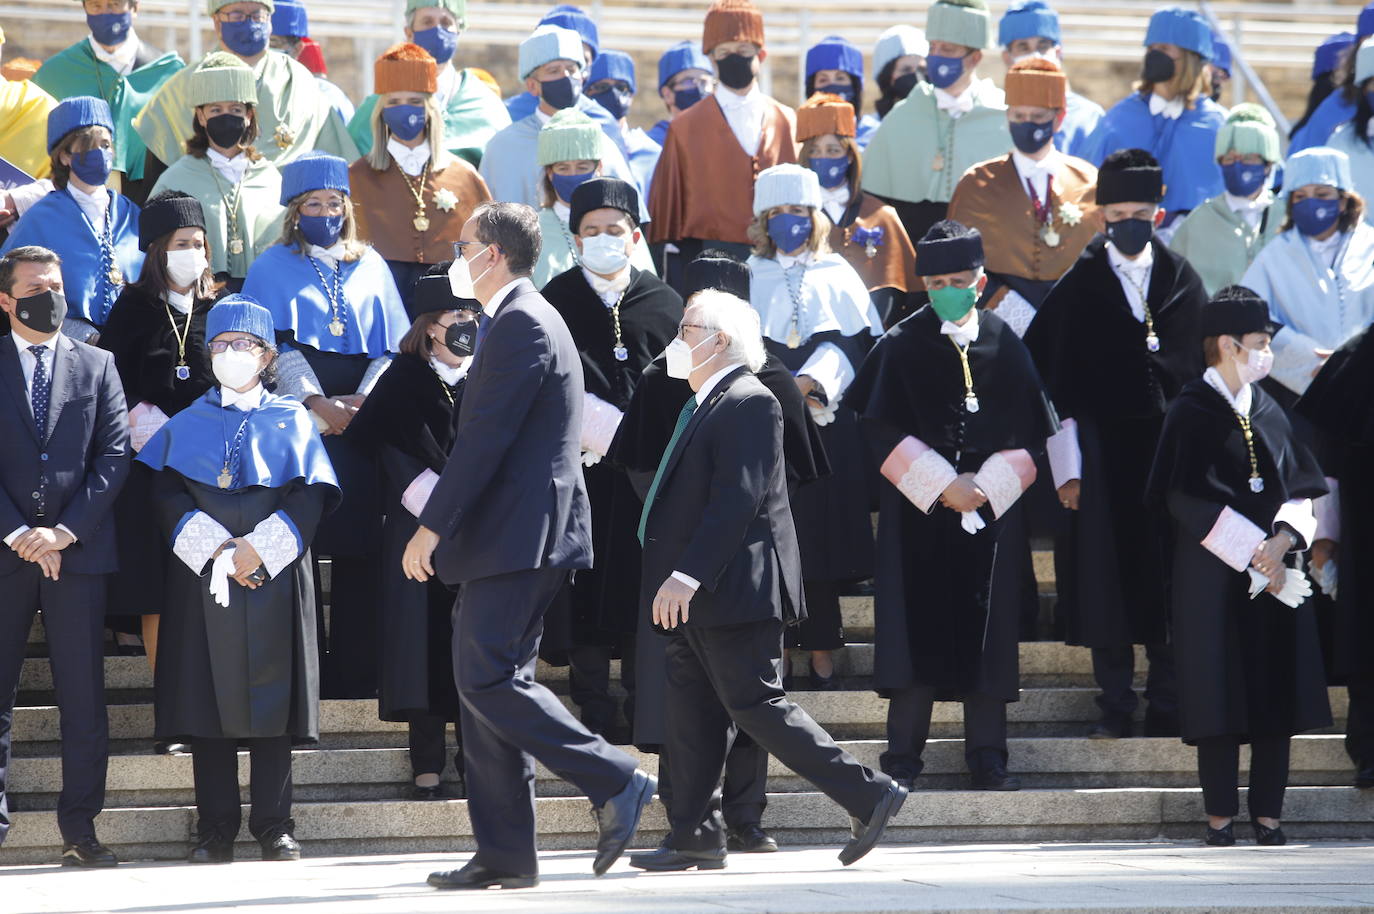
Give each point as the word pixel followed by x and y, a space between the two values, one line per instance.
pixel 949 247
pixel 603 193
pixel 167 212
pixel 1236 311
pixel 1130 176
pixel 433 293
pixel 713 269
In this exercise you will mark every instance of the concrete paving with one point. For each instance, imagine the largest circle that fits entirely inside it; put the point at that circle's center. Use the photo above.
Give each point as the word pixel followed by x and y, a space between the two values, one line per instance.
pixel 1140 877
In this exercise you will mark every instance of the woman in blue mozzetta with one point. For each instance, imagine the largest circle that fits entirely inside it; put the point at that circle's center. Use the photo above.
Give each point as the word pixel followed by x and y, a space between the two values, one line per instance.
pixel 1170 114
pixel 93 229
pixel 338 320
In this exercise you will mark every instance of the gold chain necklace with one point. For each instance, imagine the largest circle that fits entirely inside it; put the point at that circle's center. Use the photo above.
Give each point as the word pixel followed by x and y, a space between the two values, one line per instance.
pixel 231 212
pixel 970 398
pixel 1151 340
pixel 620 352
pixel 1256 480
pixel 417 190
pixel 183 371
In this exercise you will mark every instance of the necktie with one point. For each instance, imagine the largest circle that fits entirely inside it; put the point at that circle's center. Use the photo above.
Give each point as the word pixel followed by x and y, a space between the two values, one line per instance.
pixel 40 391
pixel 682 419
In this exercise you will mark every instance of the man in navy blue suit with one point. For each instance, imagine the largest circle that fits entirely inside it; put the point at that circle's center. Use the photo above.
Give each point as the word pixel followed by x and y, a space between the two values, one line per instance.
pixel 64 454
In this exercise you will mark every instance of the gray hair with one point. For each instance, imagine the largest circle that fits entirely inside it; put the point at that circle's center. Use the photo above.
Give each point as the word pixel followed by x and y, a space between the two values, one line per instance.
pixel 734 317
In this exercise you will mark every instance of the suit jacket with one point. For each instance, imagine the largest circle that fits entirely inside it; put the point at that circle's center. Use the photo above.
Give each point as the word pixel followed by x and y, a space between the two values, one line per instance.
pixel 81 462
pixel 721 512
pixel 512 498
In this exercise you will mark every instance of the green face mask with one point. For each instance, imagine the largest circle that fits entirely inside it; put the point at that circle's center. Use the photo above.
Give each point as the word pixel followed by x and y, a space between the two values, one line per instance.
pixel 951 302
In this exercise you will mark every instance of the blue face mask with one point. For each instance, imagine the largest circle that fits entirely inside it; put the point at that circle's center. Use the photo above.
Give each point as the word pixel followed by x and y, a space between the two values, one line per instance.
pixel 686 98
pixel 1031 136
pixel 844 92
pixel 406 121
pixel 560 93
pixel 831 172
pixel 1242 180
pixel 440 43
pixel 246 38
pixel 789 231
pixel 110 29
pixel 615 101
pixel 1314 216
pixel 93 166
pixel 944 72
pixel 322 230
pixel 564 185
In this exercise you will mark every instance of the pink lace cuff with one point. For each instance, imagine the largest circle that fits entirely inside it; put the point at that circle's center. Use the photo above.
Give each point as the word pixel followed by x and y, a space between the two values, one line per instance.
pixel 144 420
pixel 416 495
pixel 1233 539
pixel 1003 477
pixel 1066 460
pixel 918 472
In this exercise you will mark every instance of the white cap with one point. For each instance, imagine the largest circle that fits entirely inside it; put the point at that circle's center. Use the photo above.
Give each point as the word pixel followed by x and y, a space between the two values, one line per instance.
pixel 898 41
pixel 786 185
pixel 549 42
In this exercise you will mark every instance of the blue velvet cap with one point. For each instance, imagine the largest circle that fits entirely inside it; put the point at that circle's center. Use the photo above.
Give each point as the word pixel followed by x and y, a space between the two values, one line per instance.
pixel 1328 54
pixel 240 314
pixel 685 55
pixel 567 16
pixel 1317 165
pixel 1028 19
pixel 289 19
pixel 1221 53
pixel 1364 25
pixel 77 112
pixel 612 65
pixel 834 53
pixel 1183 27
pixel 313 171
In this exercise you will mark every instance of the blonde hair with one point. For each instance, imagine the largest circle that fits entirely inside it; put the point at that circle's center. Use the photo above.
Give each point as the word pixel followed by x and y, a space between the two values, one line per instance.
pixel 291 230
pixel 818 243
pixel 1190 81
pixel 378 157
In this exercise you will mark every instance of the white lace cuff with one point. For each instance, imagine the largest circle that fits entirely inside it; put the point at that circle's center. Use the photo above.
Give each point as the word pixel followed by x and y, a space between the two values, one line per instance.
pixel 918 472
pixel 295 378
pixel 196 538
pixel 144 421
pixel 1003 477
pixel 1328 511
pixel 1233 539
pixel 1066 459
pixel 375 368
pixel 1016 311
pixel 416 495
pixel 599 422
pixel 277 541
pixel 1297 513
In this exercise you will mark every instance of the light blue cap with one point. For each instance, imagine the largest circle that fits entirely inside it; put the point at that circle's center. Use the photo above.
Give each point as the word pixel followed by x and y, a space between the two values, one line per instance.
pixel 1317 165
pixel 547 43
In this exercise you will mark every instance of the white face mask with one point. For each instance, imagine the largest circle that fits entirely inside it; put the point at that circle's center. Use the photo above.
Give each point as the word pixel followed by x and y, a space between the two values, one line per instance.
pixel 449 374
pixel 605 254
pixel 1255 366
pixel 680 357
pixel 460 278
pixel 235 369
pixel 185 266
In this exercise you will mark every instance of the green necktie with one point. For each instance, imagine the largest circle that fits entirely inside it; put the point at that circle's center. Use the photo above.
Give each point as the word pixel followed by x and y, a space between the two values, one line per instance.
pixel 682 419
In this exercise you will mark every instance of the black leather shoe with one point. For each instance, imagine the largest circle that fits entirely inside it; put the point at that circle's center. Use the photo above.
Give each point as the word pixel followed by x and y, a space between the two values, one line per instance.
pixel 161 748
pixel 476 876
pixel 750 839
pixel 994 778
pixel 280 847
pixel 1269 837
pixel 212 847
pixel 819 683
pixel 1111 727
pixel 1221 837
pixel 867 834
pixel 1364 776
pixel 88 852
pixel 672 860
pixel 618 817
pixel 428 793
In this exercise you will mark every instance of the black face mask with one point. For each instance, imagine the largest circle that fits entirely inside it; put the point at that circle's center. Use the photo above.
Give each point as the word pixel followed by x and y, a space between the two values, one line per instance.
pixel 902 85
pixel 1158 68
pixel 461 338
pixel 41 313
pixel 1130 235
pixel 226 130
pixel 736 70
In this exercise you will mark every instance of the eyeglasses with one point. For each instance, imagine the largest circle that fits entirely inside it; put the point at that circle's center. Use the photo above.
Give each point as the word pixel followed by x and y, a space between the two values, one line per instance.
pixel 682 328
pixel 687 82
pixel 314 206
pixel 239 16
pixel 238 345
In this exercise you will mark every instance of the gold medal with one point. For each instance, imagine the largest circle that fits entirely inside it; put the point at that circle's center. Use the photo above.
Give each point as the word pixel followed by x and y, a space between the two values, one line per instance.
pixel 793 339
pixel 283 136
pixel 235 246
pixel 225 478
pixel 116 278
pixel 1050 236
pixel 336 327
pixel 421 223
pixel 1152 342
pixel 938 163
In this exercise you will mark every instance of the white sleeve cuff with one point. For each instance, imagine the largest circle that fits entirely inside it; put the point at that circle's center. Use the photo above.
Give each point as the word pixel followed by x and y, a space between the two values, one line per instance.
pixel 27 195
pixel 1328 510
pixel 144 421
pixel 18 532
pixel 276 541
pixel 1297 513
pixel 67 530
pixel 416 495
pixel 1294 359
pixel 918 472
pixel 599 422
pixel 687 579
pixel 374 371
pixel 830 368
pixel 1003 477
pixel 1233 539
pixel 1066 459
pixel 196 539
pixel 1016 311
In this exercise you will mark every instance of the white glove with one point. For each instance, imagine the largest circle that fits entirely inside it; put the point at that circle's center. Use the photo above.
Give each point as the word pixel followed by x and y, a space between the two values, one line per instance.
pixel 1296 589
pixel 599 422
pixel 219 576
pixel 821 415
pixel 590 458
pixel 971 521
pixel 1325 577
pixel 1257 583
pixel 144 420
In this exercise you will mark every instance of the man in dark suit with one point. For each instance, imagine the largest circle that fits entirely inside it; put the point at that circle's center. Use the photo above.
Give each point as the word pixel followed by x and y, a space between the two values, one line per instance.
pixel 723 574
pixel 64 454
pixel 509 521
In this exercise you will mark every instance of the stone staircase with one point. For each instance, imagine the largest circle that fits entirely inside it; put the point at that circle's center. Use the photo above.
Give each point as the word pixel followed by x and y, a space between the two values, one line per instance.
pixel 351 789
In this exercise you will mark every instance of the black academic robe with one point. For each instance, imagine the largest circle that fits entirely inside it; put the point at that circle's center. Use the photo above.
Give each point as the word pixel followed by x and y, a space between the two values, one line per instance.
pixel 602 601
pixel 407 424
pixel 932 615
pixel 1090 350
pixel 140 336
pixel 1246 668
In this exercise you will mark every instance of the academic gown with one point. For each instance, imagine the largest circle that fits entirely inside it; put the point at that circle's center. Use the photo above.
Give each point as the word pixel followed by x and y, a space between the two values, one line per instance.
pixel 890 273
pixel 604 600
pixel 407 423
pixel 558 250
pixel 1185 146
pixel 1220 244
pixel 77 71
pixel 258 211
pixel 937 625
pixel 642 152
pixel 57 223
pixel 472 116
pixel 248 670
pixel 1090 350
pixel 1333 111
pixel 1081 116
pixel 1246 668
pixel 24 109
pixel 140 336
pixel 638 447
pixel 1361 161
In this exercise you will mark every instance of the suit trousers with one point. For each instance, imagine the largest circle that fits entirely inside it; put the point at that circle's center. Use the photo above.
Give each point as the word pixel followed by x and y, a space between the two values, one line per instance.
pixel 74 623
pixel 1359 723
pixel 1114 668
pixel 733 673
pixel 744 789
pixel 1218 768
pixel 428 752
pixel 908 727
pixel 215 763
pixel 509 720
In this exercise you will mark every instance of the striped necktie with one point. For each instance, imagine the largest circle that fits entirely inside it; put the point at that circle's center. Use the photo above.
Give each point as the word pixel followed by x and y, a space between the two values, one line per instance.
pixel 682 419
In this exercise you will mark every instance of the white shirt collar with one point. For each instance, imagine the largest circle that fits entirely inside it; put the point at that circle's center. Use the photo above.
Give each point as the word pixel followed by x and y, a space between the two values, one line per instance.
pixel 1027 167
pixel 835 200
pixel 608 290
pixel 410 161
pixel 1120 261
pixel 23 345
pixel 249 399
pixel 1250 210
pixel 181 301
pixel 489 309
pixel 332 255
pixel 730 100
pixel 714 381
pixel 446 84
pixel 1134 276
pixel 233 169
pixel 955 105
pixel 787 261
pixel 1172 109
pixel 562 210
pixel 1240 402
pixel 541 117
pixel 121 59
pixel 93 205
pixel 1326 245
pixel 964 333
